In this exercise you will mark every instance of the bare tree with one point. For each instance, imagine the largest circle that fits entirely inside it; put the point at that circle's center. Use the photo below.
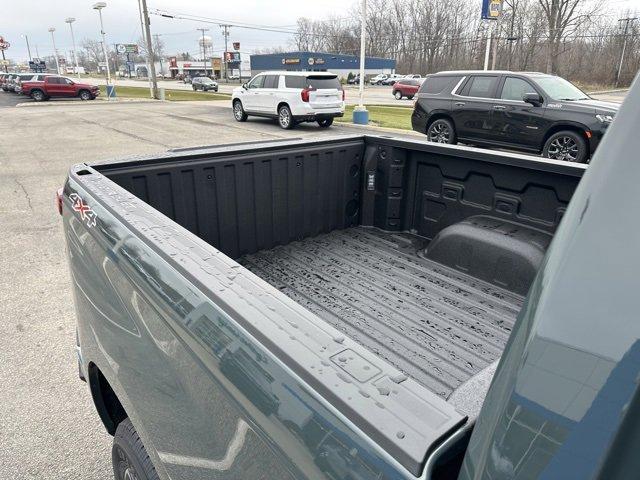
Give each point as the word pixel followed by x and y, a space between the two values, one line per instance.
pixel 563 18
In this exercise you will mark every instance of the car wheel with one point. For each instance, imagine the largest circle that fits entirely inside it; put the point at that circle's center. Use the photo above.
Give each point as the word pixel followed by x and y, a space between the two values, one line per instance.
pixel 85 95
pixel 441 131
pixel 566 145
pixel 285 119
pixel 326 123
pixel 38 95
pixel 238 112
pixel 128 455
pixel 195 89
pixel 398 95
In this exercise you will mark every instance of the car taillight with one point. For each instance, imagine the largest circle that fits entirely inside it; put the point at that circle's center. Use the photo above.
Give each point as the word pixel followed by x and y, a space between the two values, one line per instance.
pixel 305 94
pixel 59 200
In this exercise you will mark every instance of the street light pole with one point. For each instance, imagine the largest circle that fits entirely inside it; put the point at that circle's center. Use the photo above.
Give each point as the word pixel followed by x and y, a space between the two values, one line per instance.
pixel 55 50
pixel 28 48
pixel 70 21
pixel 99 6
pixel 225 32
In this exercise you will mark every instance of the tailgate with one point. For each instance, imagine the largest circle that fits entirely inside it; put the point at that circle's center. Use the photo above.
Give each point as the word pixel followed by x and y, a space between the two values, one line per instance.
pixel 325 98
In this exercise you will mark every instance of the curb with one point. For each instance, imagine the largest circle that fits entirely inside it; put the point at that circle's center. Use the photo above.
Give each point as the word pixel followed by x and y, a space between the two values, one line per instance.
pixel 76 102
pixel 615 90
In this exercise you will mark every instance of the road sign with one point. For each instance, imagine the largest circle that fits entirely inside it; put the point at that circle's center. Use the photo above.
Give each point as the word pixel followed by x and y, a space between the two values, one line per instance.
pixel 4 44
pixel 123 48
pixel 236 45
pixel 491 9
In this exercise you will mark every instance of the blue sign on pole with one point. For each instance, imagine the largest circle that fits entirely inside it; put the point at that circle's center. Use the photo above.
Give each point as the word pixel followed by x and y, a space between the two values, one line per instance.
pixel 491 9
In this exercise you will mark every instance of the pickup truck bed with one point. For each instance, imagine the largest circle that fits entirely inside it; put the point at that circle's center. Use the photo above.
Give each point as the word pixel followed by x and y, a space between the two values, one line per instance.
pixel 430 321
pixel 382 281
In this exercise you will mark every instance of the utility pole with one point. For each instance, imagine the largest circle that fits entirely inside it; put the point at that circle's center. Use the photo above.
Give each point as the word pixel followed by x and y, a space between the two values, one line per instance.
pixel 70 21
pixel 624 45
pixel 225 32
pixel 147 29
pixel 204 50
pixel 143 39
pixel 28 48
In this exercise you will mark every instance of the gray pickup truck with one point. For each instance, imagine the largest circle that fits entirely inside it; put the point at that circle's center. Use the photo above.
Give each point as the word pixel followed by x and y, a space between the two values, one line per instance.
pixel 361 307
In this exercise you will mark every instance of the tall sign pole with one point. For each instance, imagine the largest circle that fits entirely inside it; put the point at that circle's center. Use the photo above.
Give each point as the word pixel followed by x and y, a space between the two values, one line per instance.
pixel 491 10
pixel 143 39
pixel 152 64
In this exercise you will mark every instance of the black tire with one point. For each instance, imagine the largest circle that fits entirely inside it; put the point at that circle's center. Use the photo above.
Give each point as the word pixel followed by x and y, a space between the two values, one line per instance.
pixel 566 145
pixel 195 89
pixel 84 95
pixel 285 118
pixel 326 123
pixel 128 455
pixel 410 97
pixel 38 95
pixel 238 111
pixel 397 94
pixel 441 131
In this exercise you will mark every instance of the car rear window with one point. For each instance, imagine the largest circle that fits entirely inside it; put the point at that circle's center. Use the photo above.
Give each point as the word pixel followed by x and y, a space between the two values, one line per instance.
pixel 312 81
pixel 437 84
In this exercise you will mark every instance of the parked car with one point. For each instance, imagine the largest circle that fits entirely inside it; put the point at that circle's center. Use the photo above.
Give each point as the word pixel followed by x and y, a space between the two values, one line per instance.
pixel 406 87
pixel 3 79
pixel 378 79
pixel 186 79
pixel 10 82
pixel 57 86
pixel 391 79
pixel 532 112
pixel 413 75
pixel 291 98
pixel 204 83
pixel 361 307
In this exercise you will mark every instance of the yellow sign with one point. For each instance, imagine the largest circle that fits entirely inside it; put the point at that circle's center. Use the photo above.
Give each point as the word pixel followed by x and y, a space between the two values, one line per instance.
pixel 495 6
pixel 216 63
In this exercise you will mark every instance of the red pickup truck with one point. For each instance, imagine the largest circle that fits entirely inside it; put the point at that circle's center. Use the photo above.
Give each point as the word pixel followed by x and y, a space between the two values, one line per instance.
pixel 55 86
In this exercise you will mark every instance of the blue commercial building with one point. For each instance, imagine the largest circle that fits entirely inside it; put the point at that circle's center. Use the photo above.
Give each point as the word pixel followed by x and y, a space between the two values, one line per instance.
pixel 320 62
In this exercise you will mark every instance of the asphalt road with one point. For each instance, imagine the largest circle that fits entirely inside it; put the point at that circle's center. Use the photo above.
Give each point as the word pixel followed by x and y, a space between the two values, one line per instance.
pixel 48 426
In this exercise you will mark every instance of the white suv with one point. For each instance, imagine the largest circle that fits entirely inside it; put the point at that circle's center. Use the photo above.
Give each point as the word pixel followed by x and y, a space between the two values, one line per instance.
pixel 290 97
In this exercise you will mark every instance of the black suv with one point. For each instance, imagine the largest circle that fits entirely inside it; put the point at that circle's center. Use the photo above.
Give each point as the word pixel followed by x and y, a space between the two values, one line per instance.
pixel 528 111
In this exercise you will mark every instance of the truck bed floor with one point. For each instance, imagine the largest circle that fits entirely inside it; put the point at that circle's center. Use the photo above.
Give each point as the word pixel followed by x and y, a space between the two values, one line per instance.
pixel 436 324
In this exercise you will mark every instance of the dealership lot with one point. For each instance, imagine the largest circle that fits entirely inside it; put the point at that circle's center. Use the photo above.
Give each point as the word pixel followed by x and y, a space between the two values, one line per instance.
pixel 48 427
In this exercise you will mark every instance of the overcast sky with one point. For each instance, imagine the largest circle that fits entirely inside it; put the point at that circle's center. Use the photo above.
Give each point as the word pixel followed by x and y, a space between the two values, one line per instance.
pixel 122 24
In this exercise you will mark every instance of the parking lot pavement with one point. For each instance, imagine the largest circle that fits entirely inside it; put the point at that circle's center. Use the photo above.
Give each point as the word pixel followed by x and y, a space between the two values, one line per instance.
pixel 48 427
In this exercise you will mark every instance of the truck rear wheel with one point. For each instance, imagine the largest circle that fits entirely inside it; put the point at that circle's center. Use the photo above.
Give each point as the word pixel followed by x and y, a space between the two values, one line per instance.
pixel 128 455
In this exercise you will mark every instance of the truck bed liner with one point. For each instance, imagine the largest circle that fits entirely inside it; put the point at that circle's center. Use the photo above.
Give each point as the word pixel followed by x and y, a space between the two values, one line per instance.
pixel 436 324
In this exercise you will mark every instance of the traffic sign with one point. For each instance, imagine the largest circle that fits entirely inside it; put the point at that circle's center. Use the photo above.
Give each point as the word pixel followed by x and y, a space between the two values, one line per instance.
pixel 4 44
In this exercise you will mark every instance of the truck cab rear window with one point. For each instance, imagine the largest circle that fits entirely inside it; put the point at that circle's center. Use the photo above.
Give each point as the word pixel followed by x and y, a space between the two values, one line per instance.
pixel 318 81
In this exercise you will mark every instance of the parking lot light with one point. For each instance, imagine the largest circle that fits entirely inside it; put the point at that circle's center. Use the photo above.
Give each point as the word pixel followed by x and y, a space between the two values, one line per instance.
pixel 55 50
pixel 99 6
pixel 70 21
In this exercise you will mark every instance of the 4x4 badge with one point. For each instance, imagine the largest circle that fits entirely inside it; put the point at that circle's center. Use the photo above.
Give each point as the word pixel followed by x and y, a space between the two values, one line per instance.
pixel 86 213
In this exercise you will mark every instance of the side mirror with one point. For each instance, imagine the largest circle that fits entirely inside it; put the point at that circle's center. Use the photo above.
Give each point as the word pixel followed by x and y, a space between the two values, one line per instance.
pixel 244 85
pixel 533 98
